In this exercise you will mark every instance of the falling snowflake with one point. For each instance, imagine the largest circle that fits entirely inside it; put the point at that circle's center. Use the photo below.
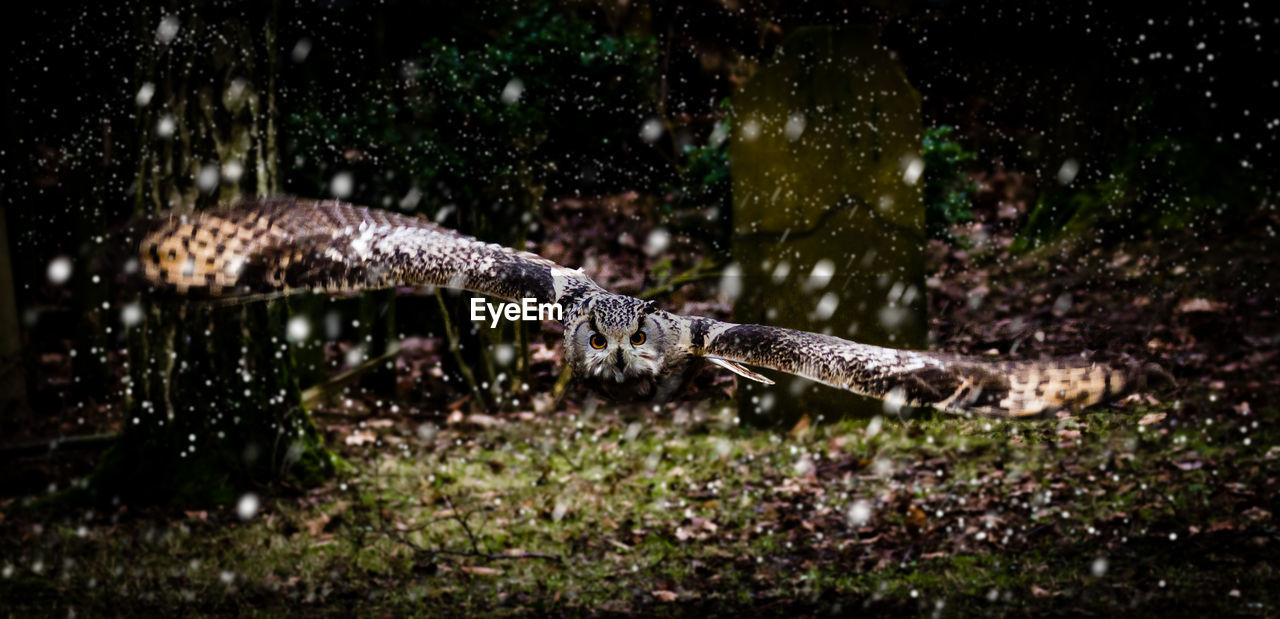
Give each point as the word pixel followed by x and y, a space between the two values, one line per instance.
pixel 165 127
pixel 59 270
pixel 145 92
pixel 167 31
pixel 795 126
pixel 512 91
pixel 341 185
pixel 859 513
pixel 298 329
pixel 651 130
pixel 1068 171
pixel 657 241
pixel 301 50
pixel 207 179
pixel 247 506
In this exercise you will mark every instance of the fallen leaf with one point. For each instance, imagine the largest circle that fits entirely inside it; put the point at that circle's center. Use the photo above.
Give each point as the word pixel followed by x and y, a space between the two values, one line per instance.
pixel 480 570
pixel 1151 418
pixel 1198 305
pixel 665 596
pixel 484 421
pixel 360 437
pixel 916 518
pixel 699 528
pixel 1039 592
pixel 316 525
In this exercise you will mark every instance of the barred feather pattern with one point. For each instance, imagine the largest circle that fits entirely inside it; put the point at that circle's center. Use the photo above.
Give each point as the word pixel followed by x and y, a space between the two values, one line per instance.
pixel 279 246
pixel 286 245
pixel 949 383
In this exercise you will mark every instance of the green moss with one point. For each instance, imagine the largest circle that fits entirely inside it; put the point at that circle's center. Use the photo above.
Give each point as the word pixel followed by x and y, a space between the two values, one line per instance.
pixel 629 514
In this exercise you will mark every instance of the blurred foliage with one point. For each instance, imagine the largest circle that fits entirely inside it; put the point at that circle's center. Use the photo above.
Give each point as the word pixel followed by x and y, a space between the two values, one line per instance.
pixel 948 190
pixel 1158 181
pixel 700 196
pixel 704 171
pixel 704 179
pixel 474 129
pixel 489 123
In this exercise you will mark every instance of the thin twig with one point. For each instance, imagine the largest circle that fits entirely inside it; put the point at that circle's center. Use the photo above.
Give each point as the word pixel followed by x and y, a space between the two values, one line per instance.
pixel 457 353
pixel 475 546
pixel 562 385
pixel 494 557
pixel 315 393
pixel 66 443
pixel 574 465
pixel 705 269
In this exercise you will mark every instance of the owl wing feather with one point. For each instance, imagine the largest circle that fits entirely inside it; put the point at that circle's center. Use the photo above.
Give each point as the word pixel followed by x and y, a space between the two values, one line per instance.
pixel 950 383
pixel 284 245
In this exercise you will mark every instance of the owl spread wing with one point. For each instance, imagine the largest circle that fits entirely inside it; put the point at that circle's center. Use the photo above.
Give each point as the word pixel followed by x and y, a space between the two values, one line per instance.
pixel 280 246
pixel 283 245
pixel 949 383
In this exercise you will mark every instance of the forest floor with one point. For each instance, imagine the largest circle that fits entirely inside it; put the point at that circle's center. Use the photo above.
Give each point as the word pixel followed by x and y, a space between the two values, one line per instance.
pixel 1162 503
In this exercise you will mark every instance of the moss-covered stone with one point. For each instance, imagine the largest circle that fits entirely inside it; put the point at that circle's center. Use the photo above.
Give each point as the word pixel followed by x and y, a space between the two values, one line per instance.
pixel 829 226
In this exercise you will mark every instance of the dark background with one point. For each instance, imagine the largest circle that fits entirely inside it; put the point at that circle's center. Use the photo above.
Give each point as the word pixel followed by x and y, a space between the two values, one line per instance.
pixel 1160 249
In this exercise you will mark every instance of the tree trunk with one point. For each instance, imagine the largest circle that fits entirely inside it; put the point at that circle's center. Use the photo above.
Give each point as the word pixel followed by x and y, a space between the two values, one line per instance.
pixel 214 404
pixel 13 392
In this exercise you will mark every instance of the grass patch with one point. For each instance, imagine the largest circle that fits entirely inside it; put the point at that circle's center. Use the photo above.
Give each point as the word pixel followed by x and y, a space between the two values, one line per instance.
pixel 622 511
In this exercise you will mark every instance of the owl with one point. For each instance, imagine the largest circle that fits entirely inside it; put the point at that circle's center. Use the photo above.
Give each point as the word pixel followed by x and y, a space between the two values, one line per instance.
pixel 622 347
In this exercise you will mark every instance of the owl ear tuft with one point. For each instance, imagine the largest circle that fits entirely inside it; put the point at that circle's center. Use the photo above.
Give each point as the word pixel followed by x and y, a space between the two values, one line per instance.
pixel 651 307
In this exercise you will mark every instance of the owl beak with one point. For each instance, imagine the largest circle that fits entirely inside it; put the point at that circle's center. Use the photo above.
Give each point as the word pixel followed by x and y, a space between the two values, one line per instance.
pixel 619 369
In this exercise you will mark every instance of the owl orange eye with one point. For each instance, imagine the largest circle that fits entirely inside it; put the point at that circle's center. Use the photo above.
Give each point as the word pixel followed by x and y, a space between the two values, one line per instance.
pixel 598 341
pixel 637 338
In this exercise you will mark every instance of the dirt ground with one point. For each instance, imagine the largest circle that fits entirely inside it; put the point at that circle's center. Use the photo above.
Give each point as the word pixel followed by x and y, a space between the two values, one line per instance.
pixel 1163 502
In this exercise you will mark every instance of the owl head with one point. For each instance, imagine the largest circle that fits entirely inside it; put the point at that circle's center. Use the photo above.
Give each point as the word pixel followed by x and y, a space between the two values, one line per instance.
pixel 621 347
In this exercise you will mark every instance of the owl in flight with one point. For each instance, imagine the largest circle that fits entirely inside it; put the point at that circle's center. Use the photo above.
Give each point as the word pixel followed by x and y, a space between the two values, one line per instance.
pixel 620 346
